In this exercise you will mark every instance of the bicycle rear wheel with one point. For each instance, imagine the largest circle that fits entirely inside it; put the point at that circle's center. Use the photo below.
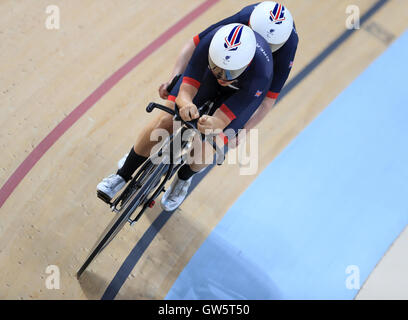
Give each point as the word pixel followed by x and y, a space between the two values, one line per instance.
pixel 122 216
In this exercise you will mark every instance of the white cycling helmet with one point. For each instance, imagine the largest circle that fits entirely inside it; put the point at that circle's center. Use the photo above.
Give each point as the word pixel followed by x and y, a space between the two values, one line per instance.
pixel 231 50
pixel 272 21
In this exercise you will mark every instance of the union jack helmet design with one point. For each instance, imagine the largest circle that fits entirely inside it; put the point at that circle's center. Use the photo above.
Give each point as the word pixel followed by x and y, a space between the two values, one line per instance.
pixel 273 21
pixel 231 50
pixel 232 42
pixel 277 14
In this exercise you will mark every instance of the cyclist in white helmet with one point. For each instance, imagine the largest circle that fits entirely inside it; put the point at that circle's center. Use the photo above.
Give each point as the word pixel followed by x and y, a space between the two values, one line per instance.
pixel 274 22
pixel 232 62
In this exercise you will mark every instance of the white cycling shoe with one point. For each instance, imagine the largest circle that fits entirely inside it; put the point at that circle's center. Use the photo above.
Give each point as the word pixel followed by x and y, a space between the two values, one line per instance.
pixel 110 186
pixel 175 194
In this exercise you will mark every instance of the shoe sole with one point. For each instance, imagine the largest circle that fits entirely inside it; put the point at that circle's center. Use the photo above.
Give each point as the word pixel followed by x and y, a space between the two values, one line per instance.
pixel 170 210
pixel 167 210
pixel 103 196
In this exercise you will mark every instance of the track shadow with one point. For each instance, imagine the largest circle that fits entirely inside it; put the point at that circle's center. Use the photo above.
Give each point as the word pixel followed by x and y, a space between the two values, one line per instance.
pixel 222 271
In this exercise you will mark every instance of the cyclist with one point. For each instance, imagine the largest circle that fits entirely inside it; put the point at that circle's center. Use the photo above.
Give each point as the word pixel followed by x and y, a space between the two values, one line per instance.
pixel 229 55
pixel 194 86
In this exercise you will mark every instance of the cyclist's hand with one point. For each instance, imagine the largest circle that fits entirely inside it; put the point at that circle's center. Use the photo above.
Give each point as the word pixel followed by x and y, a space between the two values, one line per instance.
pixel 163 90
pixel 189 112
pixel 207 123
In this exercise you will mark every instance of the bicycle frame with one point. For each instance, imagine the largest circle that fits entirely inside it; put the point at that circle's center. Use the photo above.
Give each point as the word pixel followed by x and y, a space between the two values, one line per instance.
pixel 170 165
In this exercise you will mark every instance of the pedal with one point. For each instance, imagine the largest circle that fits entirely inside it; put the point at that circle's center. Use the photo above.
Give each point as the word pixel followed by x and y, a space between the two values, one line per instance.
pixel 131 222
pixel 104 197
pixel 113 208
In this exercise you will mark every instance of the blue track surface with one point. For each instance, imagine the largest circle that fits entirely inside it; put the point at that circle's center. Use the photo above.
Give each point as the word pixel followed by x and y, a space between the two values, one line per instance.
pixel 336 196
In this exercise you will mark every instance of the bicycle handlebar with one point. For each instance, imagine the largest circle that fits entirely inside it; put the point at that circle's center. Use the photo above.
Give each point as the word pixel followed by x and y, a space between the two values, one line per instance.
pixel 152 105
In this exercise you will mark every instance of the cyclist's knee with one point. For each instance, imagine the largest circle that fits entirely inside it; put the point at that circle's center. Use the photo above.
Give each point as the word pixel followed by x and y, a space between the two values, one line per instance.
pixel 165 121
pixel 170 104
pixel 198 167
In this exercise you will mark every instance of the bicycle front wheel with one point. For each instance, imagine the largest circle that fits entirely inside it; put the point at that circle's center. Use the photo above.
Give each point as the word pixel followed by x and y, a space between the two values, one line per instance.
pixel 122 217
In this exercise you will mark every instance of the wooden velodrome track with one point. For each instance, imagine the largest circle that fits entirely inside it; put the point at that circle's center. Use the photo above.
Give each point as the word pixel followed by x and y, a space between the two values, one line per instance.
pixel 53 217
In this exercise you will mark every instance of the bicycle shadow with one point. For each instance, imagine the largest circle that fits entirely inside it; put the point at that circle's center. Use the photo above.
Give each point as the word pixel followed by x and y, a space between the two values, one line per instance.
pixel 220 271
pixel 92 285
pixel 223 271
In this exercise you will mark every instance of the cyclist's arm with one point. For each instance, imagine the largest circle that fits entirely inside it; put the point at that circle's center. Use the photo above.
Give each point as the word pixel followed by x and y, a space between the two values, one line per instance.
pixel 246 98
pixel 187 109
pixel 183 58
pixel 181 64
pixel 283 65
pixel 191 82
pixel 283 62
pixel 266 106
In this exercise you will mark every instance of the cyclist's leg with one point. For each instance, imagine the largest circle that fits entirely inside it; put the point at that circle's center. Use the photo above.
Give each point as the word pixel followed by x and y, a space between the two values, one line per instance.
pixel 142 148
pixel 139 152
pixel 163 120
pixel 203 158
pixel 178 190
